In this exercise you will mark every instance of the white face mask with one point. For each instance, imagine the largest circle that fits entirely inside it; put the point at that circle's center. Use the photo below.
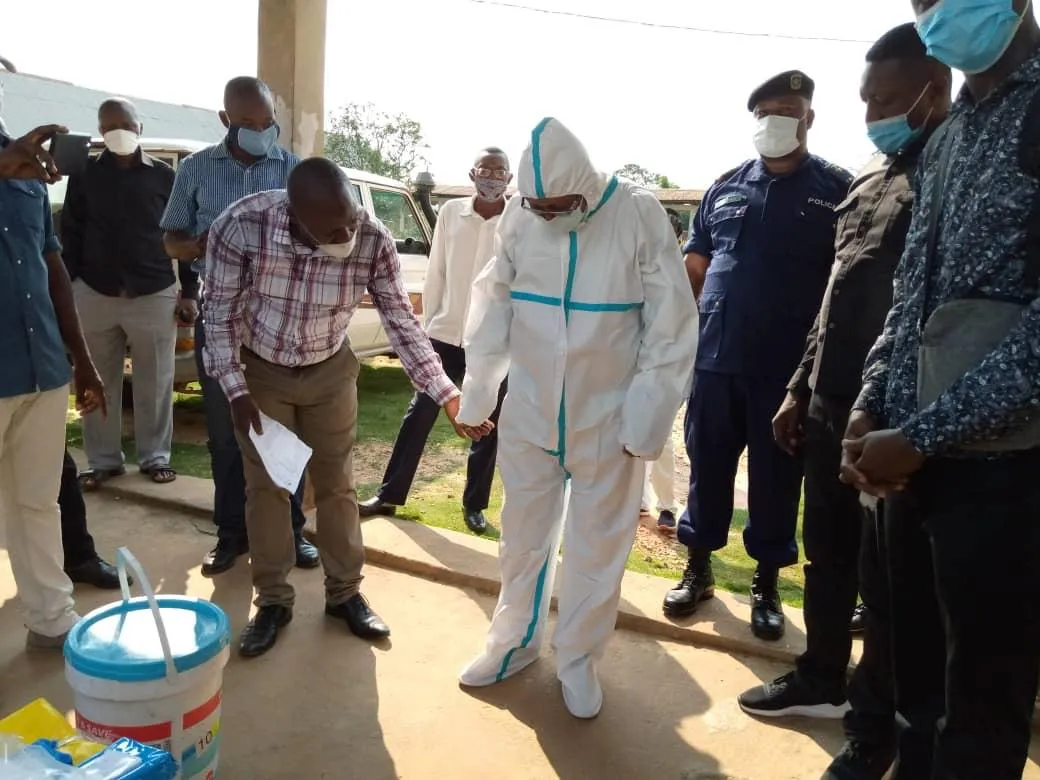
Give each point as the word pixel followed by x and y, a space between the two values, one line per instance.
pixel 122 142
pixel 776 136
pixel 565 223
pixel 340 251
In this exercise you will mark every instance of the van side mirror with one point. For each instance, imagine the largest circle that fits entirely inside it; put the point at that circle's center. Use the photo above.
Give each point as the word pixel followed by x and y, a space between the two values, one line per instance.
pixel 411 246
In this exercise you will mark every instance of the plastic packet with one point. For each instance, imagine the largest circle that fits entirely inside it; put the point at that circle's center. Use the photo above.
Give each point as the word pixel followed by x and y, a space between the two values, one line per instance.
pixel 35 763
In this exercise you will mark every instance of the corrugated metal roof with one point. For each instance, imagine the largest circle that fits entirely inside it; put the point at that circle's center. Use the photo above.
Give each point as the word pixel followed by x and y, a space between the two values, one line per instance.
pixel 31 101
pixel 447 191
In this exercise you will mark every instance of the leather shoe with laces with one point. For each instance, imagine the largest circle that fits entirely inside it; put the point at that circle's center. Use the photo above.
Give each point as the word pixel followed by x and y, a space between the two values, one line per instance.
pixel 697 585
pixel 222 557
pixel 307 556
pixel 475 521
pixel 359 617
pixel 262 632
pixel 767 614
pixel 96 572
pixel 376 506
pixel 861 761
pixel 858 623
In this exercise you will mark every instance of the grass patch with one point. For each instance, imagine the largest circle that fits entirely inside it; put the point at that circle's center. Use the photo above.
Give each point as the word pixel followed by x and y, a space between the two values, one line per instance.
pixel 436 498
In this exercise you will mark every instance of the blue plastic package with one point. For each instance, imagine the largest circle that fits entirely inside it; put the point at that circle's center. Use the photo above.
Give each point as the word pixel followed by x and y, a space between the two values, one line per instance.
pixel 125 759
pixel 52 747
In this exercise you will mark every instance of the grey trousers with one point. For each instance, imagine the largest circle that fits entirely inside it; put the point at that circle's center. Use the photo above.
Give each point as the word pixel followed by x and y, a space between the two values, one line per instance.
pixel 147 325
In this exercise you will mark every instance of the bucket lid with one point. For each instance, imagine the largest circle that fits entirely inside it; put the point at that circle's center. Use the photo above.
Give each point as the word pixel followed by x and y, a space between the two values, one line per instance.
pixel 120 641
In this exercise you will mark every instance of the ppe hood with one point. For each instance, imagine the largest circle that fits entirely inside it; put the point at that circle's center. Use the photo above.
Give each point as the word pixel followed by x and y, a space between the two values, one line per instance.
pixel 555 163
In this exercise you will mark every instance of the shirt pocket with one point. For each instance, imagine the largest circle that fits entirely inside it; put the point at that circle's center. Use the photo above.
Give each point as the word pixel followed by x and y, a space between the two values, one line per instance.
pixel 27 205
pixel 712 310
pixel 726 224
pixel 897 222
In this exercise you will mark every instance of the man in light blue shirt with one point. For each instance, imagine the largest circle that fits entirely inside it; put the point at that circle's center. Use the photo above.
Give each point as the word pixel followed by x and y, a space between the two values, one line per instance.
pixel 246 162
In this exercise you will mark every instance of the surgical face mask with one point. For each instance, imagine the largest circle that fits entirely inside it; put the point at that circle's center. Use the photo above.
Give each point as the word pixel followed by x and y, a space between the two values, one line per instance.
pixel 566 223
pixel 489 189
pixel 776 136
pixel 895 134
pixel 255 142
pixel 969 35
pixel 341 251
pixel 121 142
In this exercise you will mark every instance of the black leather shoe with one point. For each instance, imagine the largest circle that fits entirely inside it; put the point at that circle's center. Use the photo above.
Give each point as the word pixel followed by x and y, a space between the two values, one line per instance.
pixel 360 618
pixel 767 614
pixel 98 573
pixel 475 521
pixel 222 557
pixel 697 585
pixel 861 761
pixel 376 506
pixel 307 556
pixel 262 632
pixel 858 624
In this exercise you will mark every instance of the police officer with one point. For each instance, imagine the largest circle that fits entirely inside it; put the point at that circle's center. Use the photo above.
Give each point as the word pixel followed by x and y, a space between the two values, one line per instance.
pixel 758 256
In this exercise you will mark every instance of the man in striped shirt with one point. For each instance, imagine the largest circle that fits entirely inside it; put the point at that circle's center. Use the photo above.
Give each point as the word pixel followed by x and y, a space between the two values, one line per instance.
pixel 246 162
pixel 285 272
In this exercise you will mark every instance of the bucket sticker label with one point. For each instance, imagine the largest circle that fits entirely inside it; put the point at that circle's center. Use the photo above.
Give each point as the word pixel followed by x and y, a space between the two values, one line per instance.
pixel 199 744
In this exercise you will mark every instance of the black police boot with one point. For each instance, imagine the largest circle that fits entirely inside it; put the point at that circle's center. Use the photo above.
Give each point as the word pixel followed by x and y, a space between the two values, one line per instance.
pixel 697 585
pixel 767 614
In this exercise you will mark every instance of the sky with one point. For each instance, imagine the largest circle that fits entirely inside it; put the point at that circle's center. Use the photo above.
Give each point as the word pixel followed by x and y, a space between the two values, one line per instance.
pixel 652 91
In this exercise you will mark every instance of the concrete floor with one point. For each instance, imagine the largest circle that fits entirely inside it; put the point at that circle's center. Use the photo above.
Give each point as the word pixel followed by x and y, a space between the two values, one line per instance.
pixel 323 704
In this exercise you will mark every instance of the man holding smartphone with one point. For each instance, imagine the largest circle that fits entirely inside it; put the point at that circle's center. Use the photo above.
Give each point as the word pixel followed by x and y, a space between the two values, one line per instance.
pixel 126 292
pixel 247 162
pixel 38 323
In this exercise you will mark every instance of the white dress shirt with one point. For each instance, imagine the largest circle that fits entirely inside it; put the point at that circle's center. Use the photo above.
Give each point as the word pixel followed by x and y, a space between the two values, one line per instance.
pixel 463 243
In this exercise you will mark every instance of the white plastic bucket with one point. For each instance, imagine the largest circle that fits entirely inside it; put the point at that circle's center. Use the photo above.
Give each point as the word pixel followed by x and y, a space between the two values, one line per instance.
pixel 152 669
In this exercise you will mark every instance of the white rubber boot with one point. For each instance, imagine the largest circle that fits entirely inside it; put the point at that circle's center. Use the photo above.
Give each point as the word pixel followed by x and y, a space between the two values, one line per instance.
pixel 582 692
pixel 486 669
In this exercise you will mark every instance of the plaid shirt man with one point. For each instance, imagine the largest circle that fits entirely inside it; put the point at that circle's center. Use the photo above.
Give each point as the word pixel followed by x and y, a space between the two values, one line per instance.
pixel 290 305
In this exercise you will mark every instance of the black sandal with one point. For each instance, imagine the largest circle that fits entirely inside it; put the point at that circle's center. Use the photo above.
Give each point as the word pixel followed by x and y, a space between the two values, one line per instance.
pixel 160 475
pixel 93 479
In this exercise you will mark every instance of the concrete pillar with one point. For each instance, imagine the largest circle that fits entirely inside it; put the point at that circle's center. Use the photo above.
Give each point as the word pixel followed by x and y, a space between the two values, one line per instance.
pixel 291 59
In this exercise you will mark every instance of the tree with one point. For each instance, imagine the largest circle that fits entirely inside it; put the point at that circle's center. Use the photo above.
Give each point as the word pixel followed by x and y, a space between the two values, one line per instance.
pixel 645 178
pixel 363 137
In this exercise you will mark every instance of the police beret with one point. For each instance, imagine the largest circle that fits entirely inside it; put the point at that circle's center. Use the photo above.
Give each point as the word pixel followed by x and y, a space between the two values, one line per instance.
pixel 790 82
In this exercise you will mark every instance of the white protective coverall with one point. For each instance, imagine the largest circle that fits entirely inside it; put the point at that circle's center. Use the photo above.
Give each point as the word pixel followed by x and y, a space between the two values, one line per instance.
pixel 597 330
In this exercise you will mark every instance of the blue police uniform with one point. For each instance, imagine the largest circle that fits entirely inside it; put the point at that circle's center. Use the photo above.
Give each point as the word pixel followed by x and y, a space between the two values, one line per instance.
pixel 770 240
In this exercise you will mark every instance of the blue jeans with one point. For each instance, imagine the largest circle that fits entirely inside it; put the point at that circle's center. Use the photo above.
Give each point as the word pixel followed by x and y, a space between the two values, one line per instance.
pixel 229 482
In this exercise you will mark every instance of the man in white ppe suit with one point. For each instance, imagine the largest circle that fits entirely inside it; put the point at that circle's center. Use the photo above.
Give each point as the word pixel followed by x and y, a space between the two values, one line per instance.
pixel 586 306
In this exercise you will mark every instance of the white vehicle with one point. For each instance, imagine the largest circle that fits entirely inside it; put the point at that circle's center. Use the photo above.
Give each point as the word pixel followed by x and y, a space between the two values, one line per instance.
pixel 390 201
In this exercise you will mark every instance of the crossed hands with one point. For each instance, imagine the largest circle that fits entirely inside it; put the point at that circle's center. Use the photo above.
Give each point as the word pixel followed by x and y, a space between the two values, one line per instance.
pixel 876 462
pixel 474 432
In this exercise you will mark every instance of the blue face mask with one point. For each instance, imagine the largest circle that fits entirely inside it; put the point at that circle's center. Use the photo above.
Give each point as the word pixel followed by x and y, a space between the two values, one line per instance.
pixel 969 35
pixel 255 142
pixel 895 134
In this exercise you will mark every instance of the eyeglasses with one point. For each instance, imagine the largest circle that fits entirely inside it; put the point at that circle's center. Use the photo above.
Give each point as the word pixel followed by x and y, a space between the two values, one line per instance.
pixel 553 211
pixel 491 173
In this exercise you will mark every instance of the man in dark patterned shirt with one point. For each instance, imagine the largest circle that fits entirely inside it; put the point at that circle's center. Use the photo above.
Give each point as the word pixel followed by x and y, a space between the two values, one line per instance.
pixel 962 524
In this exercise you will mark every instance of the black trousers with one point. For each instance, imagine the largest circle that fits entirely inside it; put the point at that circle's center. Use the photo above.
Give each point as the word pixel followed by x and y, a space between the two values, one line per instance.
pixel 77 541
pixel 842 554
pixel 415 430
pixel 963 542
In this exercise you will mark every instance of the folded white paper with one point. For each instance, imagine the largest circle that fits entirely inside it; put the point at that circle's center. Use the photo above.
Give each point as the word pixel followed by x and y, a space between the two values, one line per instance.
pixel 283 454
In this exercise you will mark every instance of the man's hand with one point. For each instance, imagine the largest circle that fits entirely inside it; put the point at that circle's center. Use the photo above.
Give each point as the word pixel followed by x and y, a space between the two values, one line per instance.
pixel 90 391
pixel 476 433
pixel 789 423
pixel 859 425
pixel 25 158
pixel 886 458
pixel 246 415
pixel 186 311
pixel 201 241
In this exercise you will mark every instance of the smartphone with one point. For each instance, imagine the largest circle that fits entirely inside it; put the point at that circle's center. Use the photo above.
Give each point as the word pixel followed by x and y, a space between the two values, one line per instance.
pixel 70 153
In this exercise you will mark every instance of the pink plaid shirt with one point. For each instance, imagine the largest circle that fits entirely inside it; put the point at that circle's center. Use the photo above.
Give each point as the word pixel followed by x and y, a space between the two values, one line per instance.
pixel 291 305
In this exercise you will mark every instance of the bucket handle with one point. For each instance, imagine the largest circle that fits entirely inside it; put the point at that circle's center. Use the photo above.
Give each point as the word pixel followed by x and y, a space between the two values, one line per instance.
pixel 125 559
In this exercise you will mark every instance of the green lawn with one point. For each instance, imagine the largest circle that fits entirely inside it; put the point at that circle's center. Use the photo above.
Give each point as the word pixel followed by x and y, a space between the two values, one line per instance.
pixel 436 498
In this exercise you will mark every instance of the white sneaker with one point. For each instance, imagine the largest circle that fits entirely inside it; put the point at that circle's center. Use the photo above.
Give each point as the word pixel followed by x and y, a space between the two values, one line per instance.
pixel 488 669
pixel 582 692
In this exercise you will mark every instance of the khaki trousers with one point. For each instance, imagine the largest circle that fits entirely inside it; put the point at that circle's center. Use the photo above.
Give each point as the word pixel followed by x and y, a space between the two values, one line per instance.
pixel 319 404
pixel 32 440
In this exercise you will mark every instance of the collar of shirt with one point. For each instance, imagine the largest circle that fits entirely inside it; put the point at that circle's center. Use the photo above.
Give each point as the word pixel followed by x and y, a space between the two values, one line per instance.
pixel 760 173
pixel 140 158
pixel 1026 73
pixel 469 210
